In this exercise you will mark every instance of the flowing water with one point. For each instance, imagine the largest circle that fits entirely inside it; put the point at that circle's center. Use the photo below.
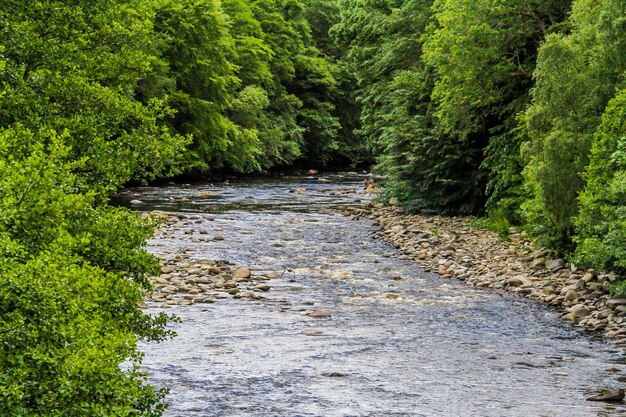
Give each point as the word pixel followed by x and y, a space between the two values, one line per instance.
pixel 400 342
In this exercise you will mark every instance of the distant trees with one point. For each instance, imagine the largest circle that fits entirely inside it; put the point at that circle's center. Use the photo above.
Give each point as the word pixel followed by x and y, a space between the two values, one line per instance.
pixel 247 83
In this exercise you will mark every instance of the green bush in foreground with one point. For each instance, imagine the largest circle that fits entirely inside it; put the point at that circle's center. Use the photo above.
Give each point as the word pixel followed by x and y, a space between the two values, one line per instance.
pixel 72 277
pixel 73 131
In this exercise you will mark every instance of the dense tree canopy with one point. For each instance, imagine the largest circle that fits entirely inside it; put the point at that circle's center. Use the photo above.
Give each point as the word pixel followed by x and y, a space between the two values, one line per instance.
pixel 575 78
pixel 490 106
pixel 71 133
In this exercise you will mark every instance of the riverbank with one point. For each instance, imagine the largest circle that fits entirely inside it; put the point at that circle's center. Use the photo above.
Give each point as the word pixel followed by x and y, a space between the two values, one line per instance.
pixel 454 248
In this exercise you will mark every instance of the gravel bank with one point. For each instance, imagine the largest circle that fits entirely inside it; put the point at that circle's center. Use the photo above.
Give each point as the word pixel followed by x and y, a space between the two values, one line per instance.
pixel 454 248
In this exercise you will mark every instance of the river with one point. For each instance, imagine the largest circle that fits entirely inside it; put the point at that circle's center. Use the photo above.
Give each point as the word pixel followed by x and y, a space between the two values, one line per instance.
pixel 400 341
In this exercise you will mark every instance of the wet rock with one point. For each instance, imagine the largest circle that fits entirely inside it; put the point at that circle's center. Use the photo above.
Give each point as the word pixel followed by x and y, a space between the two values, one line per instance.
pixel 571 295
pixel 615 395
pixel 319 314
pixel 538 262
pixel 550 298
pixel 169 290
pixel 579 311
pixel 313 332
pixel 604 313
pixel 588 277
pixel 241 273
pixel 262 287
pixel 136 202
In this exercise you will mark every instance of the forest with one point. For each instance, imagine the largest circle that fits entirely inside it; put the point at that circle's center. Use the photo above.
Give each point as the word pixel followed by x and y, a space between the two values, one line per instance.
pixel 514 111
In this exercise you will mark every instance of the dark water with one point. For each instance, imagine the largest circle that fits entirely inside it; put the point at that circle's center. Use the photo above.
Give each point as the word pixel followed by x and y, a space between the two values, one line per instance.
pixel 420 346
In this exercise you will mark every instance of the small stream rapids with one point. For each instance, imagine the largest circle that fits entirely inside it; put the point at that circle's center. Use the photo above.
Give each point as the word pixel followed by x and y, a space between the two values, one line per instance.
pixel 400 342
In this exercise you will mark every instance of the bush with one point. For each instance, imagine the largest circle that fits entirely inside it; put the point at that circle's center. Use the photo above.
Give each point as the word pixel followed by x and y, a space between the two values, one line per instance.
pixel 575 78
pixel 601 224
pixel 73 275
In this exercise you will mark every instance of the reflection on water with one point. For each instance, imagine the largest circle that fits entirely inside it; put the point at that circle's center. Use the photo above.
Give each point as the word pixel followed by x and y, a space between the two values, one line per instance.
pixel 400 342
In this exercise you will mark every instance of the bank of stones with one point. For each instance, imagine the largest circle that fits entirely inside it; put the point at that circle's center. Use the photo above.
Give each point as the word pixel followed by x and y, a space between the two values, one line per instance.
pixel 452 247
pixel 185 281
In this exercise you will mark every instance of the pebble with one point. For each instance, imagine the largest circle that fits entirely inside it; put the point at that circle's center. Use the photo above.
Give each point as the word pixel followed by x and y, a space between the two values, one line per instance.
pixel 241 273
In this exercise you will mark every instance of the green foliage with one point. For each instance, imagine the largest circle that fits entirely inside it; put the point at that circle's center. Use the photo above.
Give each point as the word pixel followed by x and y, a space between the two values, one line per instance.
pixel 68 68
pixel 426 168
pixel 73 275
pixel 497 221
pixel 484 54
pixel 343 116
pixel 602 219
pixel 246 83
pixel 575 78
pixel 205 78
pixel 300 111
pixel 74 127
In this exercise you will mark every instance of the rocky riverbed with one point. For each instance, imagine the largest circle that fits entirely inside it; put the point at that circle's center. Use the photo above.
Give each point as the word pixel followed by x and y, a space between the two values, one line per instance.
pixel 351 325
pixel 454 248
pixel 185 281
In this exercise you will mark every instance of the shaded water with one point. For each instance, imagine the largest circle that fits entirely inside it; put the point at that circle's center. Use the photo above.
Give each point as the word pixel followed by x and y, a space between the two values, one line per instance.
pixel 400 342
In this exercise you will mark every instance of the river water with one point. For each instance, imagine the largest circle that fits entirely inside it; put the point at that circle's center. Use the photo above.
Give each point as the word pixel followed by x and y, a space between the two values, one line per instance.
pixel 400 342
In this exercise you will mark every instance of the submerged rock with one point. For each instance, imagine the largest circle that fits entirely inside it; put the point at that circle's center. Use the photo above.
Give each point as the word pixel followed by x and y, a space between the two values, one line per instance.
pixel 609 396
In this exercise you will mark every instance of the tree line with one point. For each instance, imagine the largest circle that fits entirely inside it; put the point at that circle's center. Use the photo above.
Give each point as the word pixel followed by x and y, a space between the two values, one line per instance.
pixel 516 109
